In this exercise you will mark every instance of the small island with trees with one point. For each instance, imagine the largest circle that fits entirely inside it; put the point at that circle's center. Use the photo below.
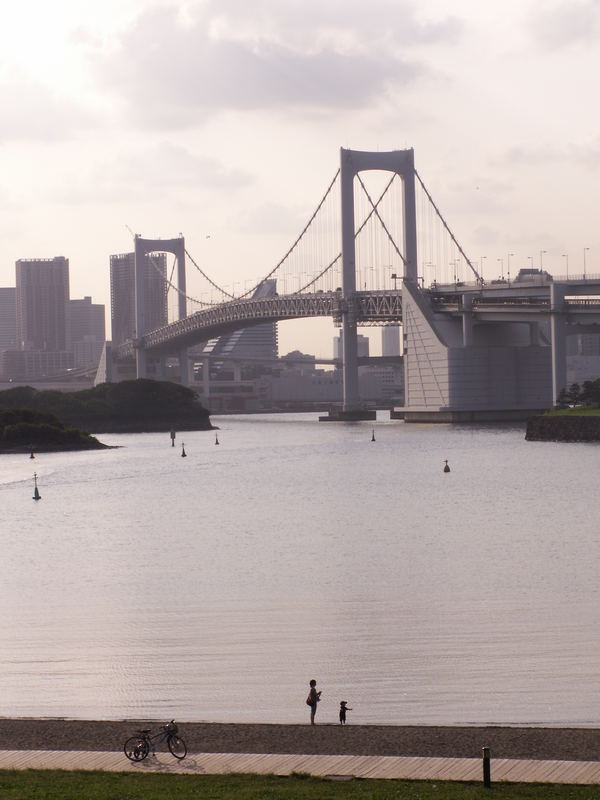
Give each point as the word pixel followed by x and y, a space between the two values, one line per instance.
pixel 576 417
pixel 53 420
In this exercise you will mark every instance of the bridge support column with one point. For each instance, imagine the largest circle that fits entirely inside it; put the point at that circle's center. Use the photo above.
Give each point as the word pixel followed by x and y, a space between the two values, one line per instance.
pixel 467 320
pixel 558 330
pixel 349 333
pixel 184 367
pixel 206 380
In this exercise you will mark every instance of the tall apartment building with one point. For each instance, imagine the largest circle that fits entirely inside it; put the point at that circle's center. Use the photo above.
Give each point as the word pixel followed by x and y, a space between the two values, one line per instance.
pixel 8 318
pixel 122 294
pixel 88 331
pixel 42 304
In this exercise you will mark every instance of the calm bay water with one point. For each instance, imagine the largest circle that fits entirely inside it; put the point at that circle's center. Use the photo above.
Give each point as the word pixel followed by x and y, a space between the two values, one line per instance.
pixel 214 587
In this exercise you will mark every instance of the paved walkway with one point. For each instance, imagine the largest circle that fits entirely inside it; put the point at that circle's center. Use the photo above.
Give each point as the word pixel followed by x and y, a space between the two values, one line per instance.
pixel 405 767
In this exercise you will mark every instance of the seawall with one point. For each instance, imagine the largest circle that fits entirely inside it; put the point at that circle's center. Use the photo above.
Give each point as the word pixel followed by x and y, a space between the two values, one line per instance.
pixel 563 428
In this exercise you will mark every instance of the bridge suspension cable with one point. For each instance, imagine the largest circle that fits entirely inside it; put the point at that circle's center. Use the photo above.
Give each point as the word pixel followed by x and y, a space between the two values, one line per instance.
pixel 445 224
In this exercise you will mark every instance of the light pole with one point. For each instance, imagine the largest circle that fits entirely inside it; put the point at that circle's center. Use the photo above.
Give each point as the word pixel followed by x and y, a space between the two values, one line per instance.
pixel 394 277
pixel 585 250
pixel 481 260
pixel 508 265
pixel 501 260
pixel 541 258
pixel 530 259
pixel 566 258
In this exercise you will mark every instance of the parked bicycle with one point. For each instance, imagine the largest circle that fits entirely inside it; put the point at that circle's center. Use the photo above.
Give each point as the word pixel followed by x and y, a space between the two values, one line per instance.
pixel 137 747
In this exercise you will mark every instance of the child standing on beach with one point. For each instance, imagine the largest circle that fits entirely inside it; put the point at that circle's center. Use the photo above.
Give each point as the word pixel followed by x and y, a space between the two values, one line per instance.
pixel 343 709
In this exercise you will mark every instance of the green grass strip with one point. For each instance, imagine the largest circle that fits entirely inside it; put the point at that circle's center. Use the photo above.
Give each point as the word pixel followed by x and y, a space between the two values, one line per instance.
pixel 80 785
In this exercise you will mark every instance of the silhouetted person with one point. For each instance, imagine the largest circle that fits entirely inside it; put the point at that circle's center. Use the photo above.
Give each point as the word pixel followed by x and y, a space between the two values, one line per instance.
pixel 313 698
pixel 343 709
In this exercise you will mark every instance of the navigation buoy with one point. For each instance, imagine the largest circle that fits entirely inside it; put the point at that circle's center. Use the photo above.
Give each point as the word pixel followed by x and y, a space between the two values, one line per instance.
pixel 36 491
pixel 373 435
pixel 183 453
pixel 173 435
pixel 31 453
pixel 446 467
pixel 216 438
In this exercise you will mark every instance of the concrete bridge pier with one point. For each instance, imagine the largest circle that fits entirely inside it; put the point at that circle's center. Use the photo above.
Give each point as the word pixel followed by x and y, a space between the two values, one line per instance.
pixel 184 367
pixel 558 332
pixel 467 320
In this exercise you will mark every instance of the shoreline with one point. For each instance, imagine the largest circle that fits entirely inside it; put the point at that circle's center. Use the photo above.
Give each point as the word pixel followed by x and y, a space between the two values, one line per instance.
pixel 453 741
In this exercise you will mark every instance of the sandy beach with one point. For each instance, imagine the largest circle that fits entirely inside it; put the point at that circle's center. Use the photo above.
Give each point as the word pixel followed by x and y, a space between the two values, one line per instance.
pixel 570 744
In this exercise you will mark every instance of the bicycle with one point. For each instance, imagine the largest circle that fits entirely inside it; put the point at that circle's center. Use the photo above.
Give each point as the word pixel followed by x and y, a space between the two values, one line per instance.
pixel 137 747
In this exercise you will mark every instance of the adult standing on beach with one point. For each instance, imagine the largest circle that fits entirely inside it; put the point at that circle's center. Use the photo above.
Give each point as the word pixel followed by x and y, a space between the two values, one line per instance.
pixel 313 698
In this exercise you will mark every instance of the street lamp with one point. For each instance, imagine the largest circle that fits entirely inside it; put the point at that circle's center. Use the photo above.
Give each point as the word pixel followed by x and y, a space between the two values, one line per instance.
pixel 585 250
pixel 541 258
pixel 508 265
pixel 501 260
pixel 481 260
pixel 394 277
pixel 566 257
pixel 530 259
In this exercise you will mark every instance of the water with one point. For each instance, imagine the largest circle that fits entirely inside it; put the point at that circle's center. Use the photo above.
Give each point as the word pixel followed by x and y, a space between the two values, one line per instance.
pixel 215 587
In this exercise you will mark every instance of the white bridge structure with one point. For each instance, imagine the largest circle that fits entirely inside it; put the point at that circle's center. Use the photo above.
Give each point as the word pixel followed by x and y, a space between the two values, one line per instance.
pixel 472 350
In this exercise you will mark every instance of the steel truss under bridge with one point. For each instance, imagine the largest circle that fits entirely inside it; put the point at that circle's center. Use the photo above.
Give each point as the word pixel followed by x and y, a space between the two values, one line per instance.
pixel 368 308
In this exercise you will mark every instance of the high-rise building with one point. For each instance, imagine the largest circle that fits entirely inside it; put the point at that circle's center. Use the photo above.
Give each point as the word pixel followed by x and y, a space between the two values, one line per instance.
pixel 122 294
pixel 390 340
pixel 42 304
pixel 8 318
pixel 362 346
pixel 88 331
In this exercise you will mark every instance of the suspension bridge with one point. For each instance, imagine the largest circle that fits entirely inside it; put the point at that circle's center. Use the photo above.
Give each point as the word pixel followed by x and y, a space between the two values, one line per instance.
pixel 472 350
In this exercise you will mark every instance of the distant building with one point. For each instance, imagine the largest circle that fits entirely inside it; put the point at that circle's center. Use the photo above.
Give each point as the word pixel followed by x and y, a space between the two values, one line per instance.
pixel 8 318
pixel 253 343
pixel 390 340
pixel 88 331
pixel 21 365
pixel 362 346
pixel 42 296
pixel 122 294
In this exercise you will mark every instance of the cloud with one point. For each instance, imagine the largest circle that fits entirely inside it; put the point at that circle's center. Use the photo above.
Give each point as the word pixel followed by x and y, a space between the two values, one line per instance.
pixel 32 112
pixel 150 173
pixel 266 55
pixel 568 22
pixel 582 155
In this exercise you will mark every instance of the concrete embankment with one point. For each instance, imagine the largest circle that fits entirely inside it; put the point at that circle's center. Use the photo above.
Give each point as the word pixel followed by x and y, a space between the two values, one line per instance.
pixel 567 428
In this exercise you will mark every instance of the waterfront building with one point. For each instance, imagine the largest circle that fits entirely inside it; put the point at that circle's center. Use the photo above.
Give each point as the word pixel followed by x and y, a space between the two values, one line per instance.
pixel 8 318
pixel 88 331
pixel 42 298
pixel 255 343
pixel 122 294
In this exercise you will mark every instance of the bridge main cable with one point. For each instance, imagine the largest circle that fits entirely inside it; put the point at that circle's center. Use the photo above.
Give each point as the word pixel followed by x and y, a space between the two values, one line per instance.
pixel 444 223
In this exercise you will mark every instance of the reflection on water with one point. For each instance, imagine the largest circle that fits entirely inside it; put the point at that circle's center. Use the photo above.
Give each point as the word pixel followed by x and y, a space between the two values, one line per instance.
pixel 214 587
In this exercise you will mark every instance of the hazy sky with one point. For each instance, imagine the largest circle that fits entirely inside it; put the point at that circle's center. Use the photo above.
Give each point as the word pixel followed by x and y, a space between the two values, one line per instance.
pixel 225 118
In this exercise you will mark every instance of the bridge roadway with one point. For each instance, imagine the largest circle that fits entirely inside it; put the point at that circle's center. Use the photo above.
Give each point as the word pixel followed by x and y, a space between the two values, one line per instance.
pixel 539 298
pixel 367 307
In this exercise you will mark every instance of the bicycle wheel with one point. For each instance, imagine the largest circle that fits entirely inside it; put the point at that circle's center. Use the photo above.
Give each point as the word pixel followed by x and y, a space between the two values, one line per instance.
pixel 136 748
pixel 177 746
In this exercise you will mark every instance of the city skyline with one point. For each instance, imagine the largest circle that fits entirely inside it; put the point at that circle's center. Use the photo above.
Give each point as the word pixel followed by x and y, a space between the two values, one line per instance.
pixel 225 124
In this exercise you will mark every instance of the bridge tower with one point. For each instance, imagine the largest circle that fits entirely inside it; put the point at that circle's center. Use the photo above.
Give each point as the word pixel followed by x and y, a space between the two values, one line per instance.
pixel 142 248
pixel 351 163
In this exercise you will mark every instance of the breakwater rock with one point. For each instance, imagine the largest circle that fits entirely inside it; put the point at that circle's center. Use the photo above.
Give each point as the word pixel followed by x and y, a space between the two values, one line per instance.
pixel 563 428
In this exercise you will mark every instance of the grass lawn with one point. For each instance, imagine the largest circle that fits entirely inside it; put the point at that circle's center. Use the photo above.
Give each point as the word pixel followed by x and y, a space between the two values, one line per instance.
pixel 578 411
pixel 62 785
